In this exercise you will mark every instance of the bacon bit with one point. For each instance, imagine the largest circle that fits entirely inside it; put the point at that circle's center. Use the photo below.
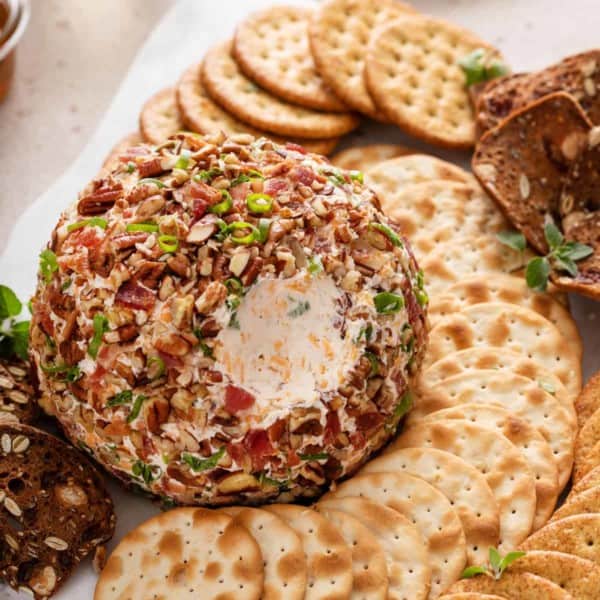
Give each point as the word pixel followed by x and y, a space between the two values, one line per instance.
pixel 368 421
pixel 237 452
pixel 296 148
pixel 95 379
pixel 357 439
pixel 201 190
pixel 332 427
pixel 87 237
pixel 302 175
pixel 100 200
pixel 107 355
pixel 78 263
pixel 150 168
pixel 275 186
pixel 277 430
pixel 199 209
pixel 133 295
pixel 258 447
pixel 237 399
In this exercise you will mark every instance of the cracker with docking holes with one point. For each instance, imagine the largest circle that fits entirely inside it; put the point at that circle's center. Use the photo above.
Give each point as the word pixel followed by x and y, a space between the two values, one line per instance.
pixel 523 163
pixel 408 563
pixel 363 158
pixel 429 510
pixel 530 442
pixel 339 32
pixel 589 399
pixel 369 570
pixel 507 326
pixel 271 48
pixel 413 74
pixel 506 471
pixel 160 117
pixel 587 447
pixel 524 586
pixel 17 396
pixel 465 487
pixel 578 535
pixel 234 92
pixel 285 573
pixel 184 553
pixel 471 596
pixel 328 557
pixel 577 576
pixel 54 510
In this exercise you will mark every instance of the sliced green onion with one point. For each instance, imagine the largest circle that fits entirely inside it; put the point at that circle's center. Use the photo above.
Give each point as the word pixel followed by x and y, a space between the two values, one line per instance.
pixel 146 227
pixel 157 182
pixel 224 206
pixel 48 265
pixel 100 328
pixel 202 464
pixel 243 226
pixel 317 456
pixel 168 243
pixel 137 407
pixel 183 161
pixel 357 176
pixel 70 373
pixel 315 264
pixel 207 175
pixel 388 303
pixel 130 167
pixel 158 364
pixel 422 297
pixel 234 285
pixel 124 397
pixel 259 203
pixel 148 473
pixel 374 363
pixel 93 222
pixel 263 230
pixel 387 231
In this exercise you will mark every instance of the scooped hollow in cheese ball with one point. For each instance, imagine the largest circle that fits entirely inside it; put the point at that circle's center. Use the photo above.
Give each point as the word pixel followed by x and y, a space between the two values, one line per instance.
pixel 225 320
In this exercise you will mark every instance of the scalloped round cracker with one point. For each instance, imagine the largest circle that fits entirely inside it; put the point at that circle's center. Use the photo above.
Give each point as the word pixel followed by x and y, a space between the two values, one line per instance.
pixel 523 397
pixel 502 361
pixel 184 553
pixel 428 509
pixel 452 261
pixel 433 212
pixel 369 570
pixel 589 399
pixel 409 570
pixel 510 289
pixel 413 74
pixel 524 586
pixel 363 158
pixel 339 33
pixel 526 438
pixel 227 86
pixel 271 48
pixel 578 535
pixel 328 557
pixel 285 572
pixel 581 504
pixel 465 487
pixel 506 471
pixel 506 326
pixel 577 576
pixel 160 117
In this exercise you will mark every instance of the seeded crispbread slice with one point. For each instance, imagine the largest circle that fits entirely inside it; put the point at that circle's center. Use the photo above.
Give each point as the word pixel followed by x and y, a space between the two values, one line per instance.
pixel 578 535
pixel 580 504
pixel 577 576
pixel 408 562
pixel 271 47
pixel 502 361
pixel 369 569
pixel 522 163
pixel 506 471
pixel 54 510
pixel 413 74
pixel 339 33
pixel 526 438
pixel 228 87
pixel 363 158
pixel 587 482
pixel 452 261
pixel 510 289
pixel 433 212
pixel 587 449
pixel 202 115
pixel 17 401
pixel 184 553
pixel 285 572
pixel 588 401
pixel 465 487
pixel 507 326
pixel 328 557
pixel 524 586
pixel 112 161
pixel 523 397
pixel 427 508
pixel 160 117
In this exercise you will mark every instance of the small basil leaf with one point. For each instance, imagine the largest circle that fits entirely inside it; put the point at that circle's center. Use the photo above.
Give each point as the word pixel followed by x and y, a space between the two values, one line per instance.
pixel 553 235
pixel 537 272
pixel 577 251
pixel 566 264
pixel 513 239
pixel 509 559
pixel 495 559
pixel 10 305
pixel 472 571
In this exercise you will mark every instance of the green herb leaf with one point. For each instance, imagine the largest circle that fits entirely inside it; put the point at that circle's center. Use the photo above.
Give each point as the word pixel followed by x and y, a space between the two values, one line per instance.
pixel 206 349
pixel 130 167
pixel 268 481
pixel 202 464
pixel 472 571
pixel 124 397
pixel 575 251
pixel 48 265
pixel 137 407
pixel 337 178
pixel 566 264
pixel 19 332
pixel 10 305
pixel 146 472
pixel 317 456
pixel 537 272
pixel 509 559
pixel 513 239
pixel 66 284
pixel 388 303
pixel 495 559
pixel 183 161
pixel 477 69
pixel 553 235
pixel 100 328
pixel 234 322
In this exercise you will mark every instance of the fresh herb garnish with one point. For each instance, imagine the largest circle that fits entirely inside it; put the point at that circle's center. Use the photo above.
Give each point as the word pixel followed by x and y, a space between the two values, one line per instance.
pixel 496 567
pixel 66 284
pixel 14 335
pixel 477 67
pixel 388 303
pixel 202 464
pixel 124 397
pixel 148 473
pixel 391 234
pixel 246 177
pixel 92 222
pixel 317 456
pixel 136 408
pixel 100 328
pixel 48 265
pixel 513 239
pixel 336 177
pixel 302 306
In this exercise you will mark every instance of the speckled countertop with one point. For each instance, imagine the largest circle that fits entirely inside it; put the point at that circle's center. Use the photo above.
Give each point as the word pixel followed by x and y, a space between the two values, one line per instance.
pixel 69 65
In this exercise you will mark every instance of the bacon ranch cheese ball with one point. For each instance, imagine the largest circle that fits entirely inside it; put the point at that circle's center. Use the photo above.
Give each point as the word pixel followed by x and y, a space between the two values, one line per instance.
pixel 227 320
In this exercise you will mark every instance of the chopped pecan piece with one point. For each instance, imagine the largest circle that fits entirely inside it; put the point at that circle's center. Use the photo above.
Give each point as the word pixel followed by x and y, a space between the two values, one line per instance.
pixel 100 200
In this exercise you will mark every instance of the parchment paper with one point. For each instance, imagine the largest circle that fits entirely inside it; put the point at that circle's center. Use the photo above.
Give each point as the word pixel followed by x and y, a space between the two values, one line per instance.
pixel 531 34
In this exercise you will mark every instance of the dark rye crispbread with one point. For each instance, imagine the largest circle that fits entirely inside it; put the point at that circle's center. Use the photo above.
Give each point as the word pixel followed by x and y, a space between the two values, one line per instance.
pixel 524 162
pixel 578 75
pixel 54 510
pixel 17 402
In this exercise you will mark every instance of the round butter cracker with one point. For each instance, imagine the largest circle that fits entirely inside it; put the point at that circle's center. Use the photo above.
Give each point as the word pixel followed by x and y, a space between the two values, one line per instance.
pixel 363 158
pixel 160 117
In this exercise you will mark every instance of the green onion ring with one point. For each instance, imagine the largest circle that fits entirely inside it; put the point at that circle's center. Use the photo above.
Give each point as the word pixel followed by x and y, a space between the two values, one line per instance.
pixel 146 227
pixel 264 225
pixel 240 226
pixel 224 206
pixel 234 285
pixel 168 243
pixel 388 303
pixel 93 222
pixel 157 182
pixel 259 203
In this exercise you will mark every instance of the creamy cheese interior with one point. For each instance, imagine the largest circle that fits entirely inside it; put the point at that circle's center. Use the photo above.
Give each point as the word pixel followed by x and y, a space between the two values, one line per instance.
pixel 289 345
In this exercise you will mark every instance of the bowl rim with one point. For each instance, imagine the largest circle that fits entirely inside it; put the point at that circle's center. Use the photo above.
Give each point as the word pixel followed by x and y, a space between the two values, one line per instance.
pixel 14 37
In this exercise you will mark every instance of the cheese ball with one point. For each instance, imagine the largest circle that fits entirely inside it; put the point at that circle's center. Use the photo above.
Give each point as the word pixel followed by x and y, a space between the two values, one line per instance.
pixel 224 320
